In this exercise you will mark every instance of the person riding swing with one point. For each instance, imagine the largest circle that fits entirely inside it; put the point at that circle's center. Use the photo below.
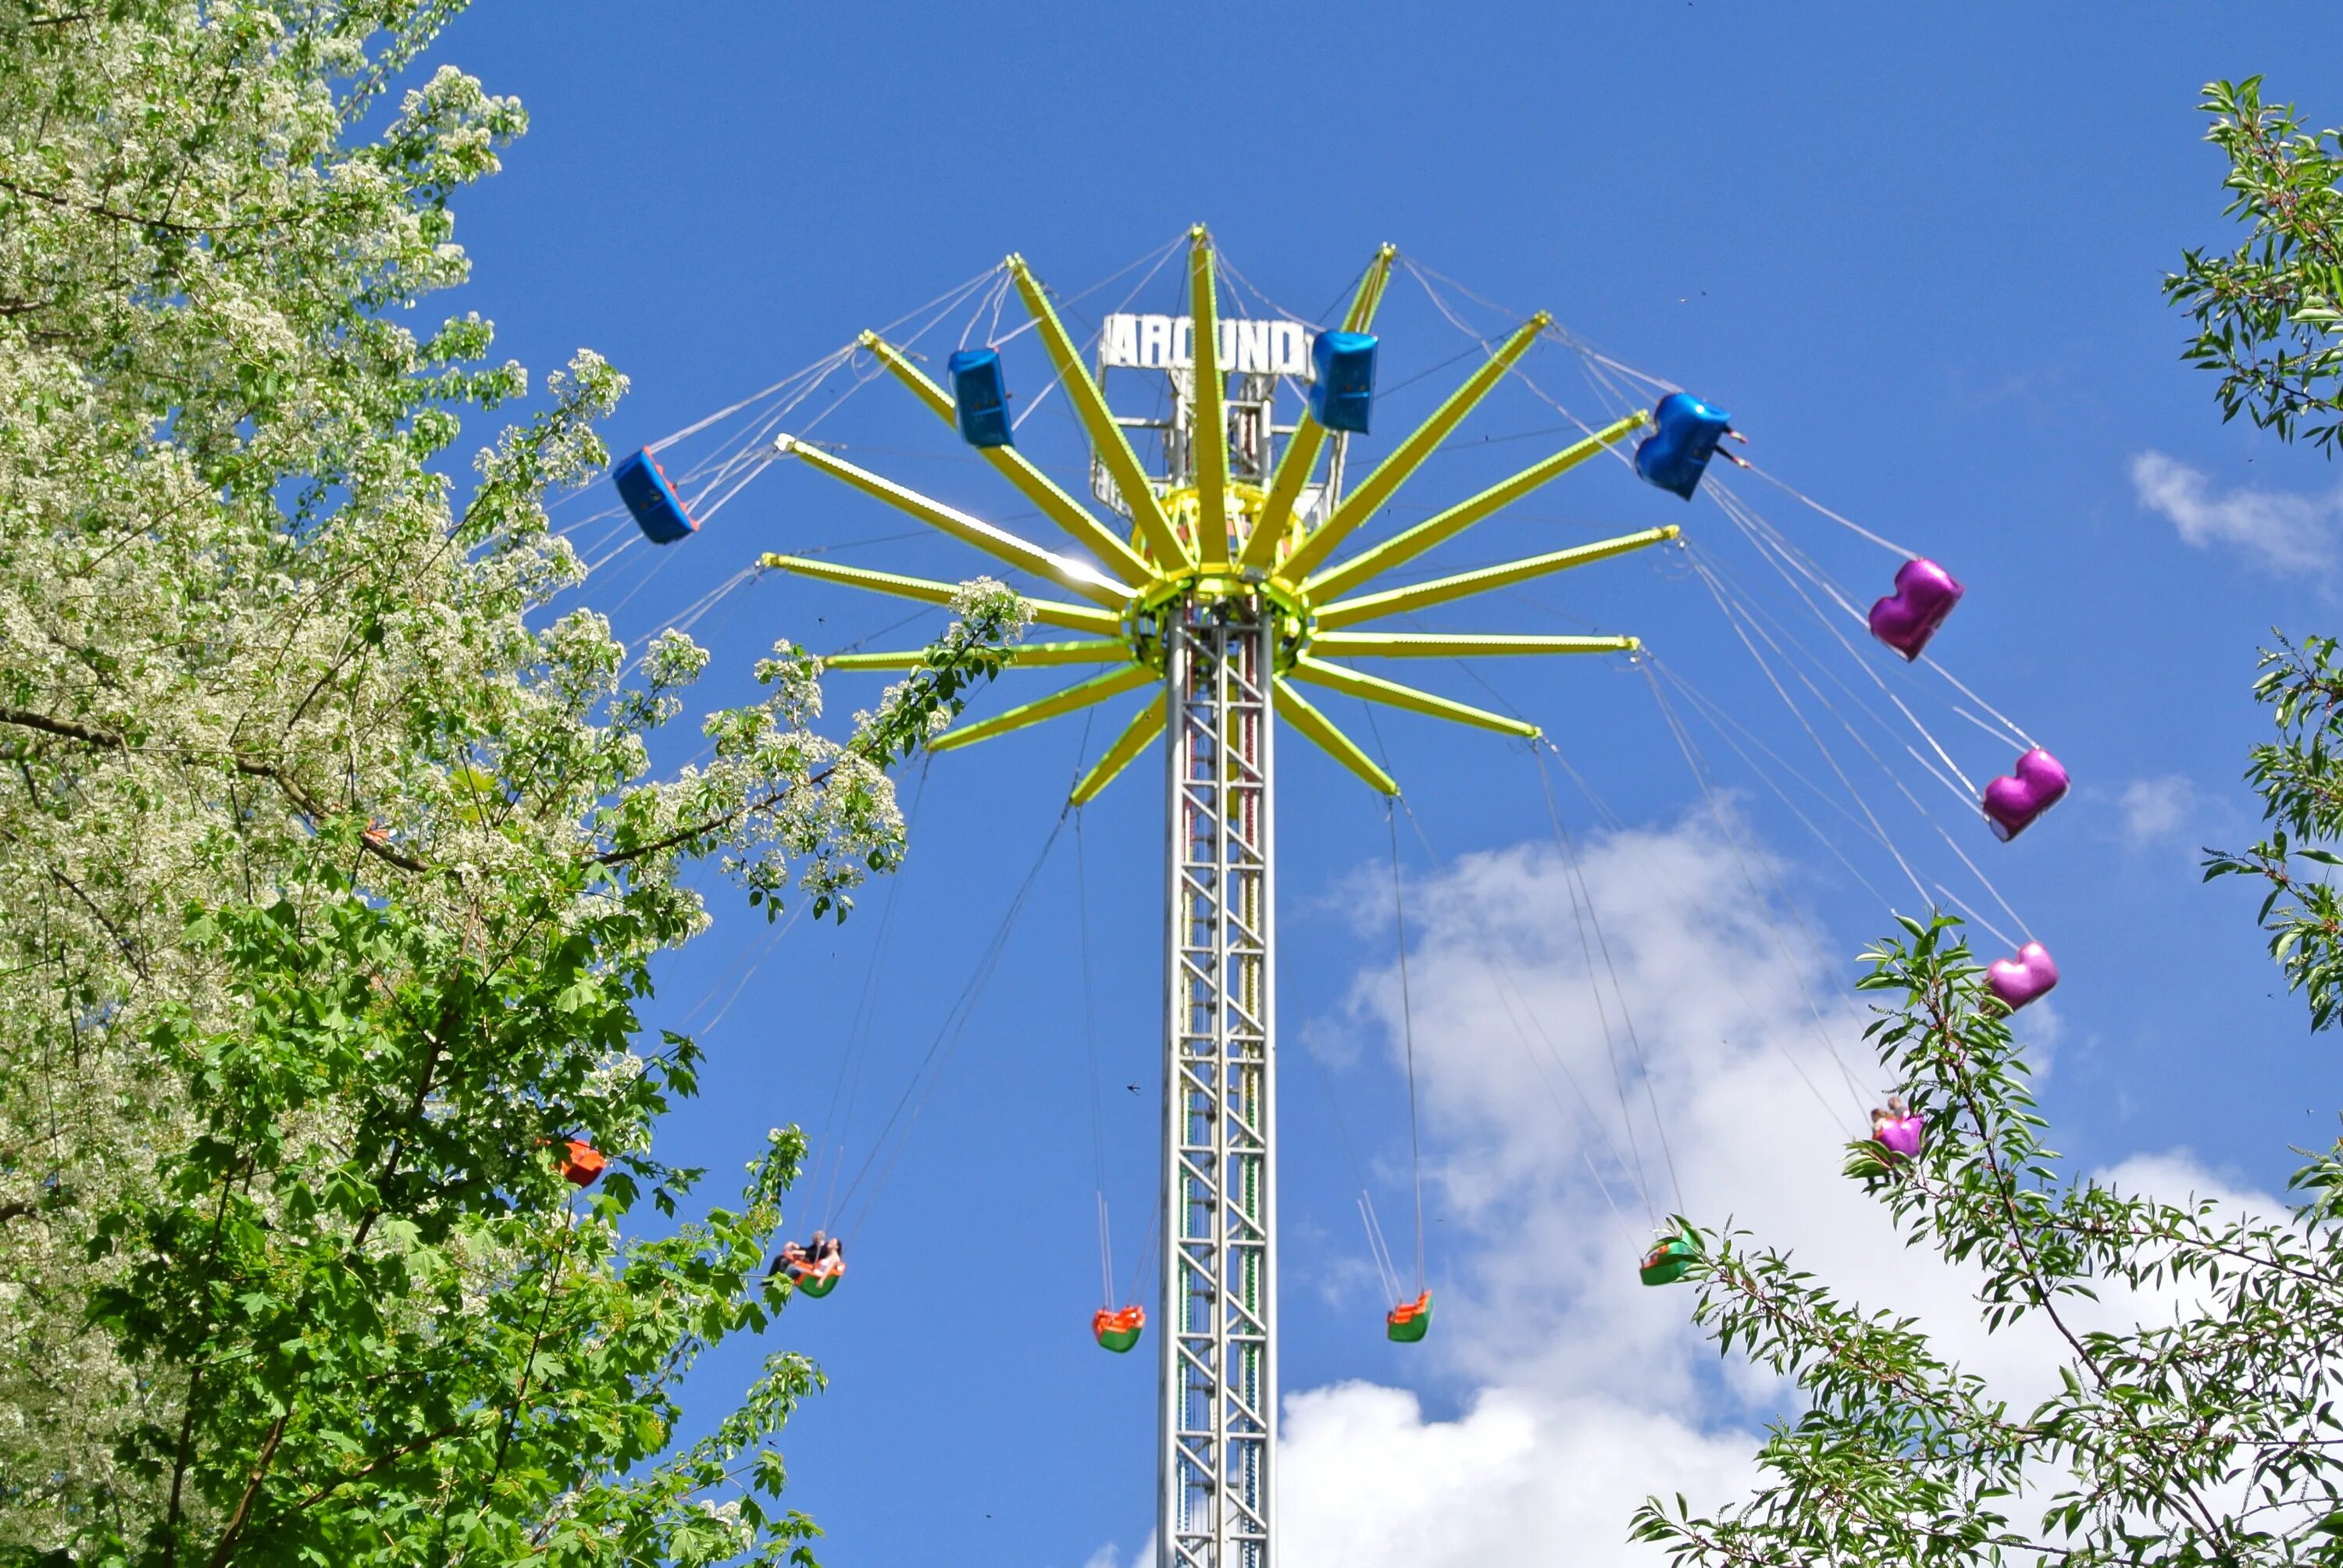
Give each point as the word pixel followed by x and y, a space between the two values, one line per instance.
pixel 813 1266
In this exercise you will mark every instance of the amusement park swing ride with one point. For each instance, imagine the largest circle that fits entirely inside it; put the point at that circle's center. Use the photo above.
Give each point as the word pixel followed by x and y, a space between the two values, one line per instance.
pixel 1214 590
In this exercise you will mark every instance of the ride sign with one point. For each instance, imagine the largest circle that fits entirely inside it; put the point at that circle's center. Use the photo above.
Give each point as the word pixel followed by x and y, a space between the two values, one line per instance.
pixel 1168 343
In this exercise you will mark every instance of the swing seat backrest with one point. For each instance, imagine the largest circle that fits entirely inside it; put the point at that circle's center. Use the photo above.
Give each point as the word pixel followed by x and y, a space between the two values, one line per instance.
pixel 658 510
pixel 1118 1330
pixel 1343 392
pixel 2013 801
pixel 582 1162
pixel 1408 1321
pixel 1676 454
pixel 1900 1136
pixel 979 398
pixel 1906 618
pixel 817 1279
pixel 1668 1261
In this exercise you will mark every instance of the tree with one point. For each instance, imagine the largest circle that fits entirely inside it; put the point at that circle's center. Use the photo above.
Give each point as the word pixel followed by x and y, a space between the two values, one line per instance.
pixel 2270 315
pixel 2209 1436
pixel 329 883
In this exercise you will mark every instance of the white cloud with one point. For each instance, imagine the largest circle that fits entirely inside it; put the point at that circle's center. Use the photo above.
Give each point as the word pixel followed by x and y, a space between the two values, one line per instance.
pixel 1518 1479
pixel 2171 814
pixel 1586 1391
pixel 2176 1176
pixel 2282 532
pixel 1106 1557
pixel 2156 809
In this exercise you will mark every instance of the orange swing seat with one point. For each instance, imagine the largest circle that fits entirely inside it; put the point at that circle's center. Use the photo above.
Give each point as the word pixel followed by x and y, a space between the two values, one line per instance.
pixel 582 1162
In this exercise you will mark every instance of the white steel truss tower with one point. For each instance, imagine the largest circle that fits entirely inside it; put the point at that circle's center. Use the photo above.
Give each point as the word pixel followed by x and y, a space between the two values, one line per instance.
pixel 1215 1496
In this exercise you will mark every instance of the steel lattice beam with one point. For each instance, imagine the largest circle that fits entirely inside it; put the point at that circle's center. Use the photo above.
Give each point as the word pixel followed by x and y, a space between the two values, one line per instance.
pixel 1219 1436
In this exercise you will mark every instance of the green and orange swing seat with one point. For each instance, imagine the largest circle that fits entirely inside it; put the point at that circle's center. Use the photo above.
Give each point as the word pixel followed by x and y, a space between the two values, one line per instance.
pixel 816 1280
pixel 1118 1330
pixel 1671 1257
pixel 1410 1320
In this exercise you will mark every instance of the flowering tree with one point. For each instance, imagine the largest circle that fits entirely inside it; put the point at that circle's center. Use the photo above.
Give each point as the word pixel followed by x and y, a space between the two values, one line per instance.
pixel 330 884
pixel 2207 1433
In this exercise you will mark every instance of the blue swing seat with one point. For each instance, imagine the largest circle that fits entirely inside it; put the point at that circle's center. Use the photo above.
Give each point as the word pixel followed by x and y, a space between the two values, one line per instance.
pixel 1676 455
pixel 658 511
pixel 981 398
pixel 1343 395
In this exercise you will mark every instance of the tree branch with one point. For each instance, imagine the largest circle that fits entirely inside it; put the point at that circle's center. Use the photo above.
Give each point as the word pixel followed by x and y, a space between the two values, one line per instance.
pixel 712 824
pixel 415 1445
pixel 99 209
pixel 251 1490
pixel 250 766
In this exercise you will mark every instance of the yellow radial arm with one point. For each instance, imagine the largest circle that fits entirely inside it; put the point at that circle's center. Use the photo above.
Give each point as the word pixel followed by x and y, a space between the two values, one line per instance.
pixel 1210 420
pixel 1452 645
pixel 1023 654
pixel 1392 694
pixel 927 590
pixel 1393 471
pixel 1143 728
pixel 1107 439
pixel 1406 547
pixel 1370 295
pixel 1075 698
pixel 1439 591
pixel 1300 454
pixel 1297 711
pixel 1064 570
pixel 1038 488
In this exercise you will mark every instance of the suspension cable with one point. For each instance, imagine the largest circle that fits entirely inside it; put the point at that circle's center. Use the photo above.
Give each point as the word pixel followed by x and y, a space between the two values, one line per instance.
pixel 1582 890
pixel 931 1065
pixel 1855 734
pixel 847 1085
pixel 1407 1033
pixel 1089 1039
pixel 1380 1249
pixel 1325 1080
pixel 1729 822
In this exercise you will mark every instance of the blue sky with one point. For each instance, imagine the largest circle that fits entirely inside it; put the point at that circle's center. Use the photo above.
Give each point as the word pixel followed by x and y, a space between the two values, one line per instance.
pixel 1917 257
